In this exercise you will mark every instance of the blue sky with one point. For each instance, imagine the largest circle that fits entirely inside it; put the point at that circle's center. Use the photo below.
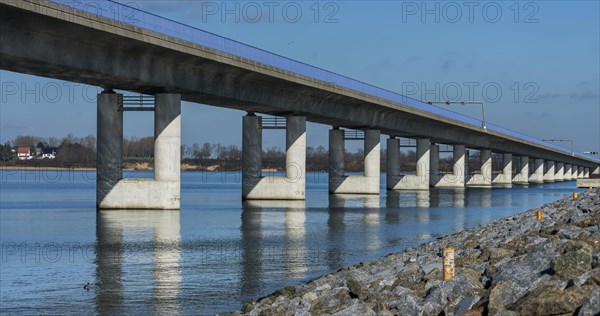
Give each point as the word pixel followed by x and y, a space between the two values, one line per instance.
pixel 544 57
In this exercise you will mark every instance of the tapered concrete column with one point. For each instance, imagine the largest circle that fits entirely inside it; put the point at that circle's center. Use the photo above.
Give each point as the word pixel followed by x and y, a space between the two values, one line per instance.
pixel 522 176
pixel 109 153
pixel 289 187
pixel 366 184
pixel 420 181
pixel 457 178
pixel 434 165
pixel 549 173
pixel 163 191
pixel 423 159
pixel 568 176
pixel 167 138
pixel 559 176
pixel 586 173
pixel 580 173
pixel 505 178
pixel 596 170
pixel 392 162
pixel 538 172
pixel 295 155
pixel 373 154
pixel 459 168
pixel 484 177
pixel 251 153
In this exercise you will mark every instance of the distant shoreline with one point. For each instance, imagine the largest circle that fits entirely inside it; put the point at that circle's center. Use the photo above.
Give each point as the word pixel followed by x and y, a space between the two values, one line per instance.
pixel 17 168
pixel 20 168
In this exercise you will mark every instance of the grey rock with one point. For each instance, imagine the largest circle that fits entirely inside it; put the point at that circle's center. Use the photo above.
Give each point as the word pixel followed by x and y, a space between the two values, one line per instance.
pixel 450 292
pixel 356 308
pixel 466 304
pixel 583 278
pixel 551 300
pixel 407 305
pixel 575 259
pixel 591 307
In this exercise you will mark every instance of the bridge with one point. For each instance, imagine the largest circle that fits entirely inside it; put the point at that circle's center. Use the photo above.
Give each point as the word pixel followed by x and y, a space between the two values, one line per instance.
pixel 116 47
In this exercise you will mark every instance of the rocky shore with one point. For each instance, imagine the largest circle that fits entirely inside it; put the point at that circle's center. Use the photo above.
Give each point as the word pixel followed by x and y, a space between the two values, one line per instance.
pixel 513 266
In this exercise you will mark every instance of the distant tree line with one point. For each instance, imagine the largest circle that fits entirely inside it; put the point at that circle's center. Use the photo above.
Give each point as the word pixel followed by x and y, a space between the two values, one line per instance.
pixel 81 151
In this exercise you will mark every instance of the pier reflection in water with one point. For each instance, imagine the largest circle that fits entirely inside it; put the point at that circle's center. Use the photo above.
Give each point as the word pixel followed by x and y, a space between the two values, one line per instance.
pixel 133 244
pixel 293 253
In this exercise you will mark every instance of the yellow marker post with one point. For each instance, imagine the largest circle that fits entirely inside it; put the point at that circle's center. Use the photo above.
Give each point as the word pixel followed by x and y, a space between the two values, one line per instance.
pixel 575 195
pixel 448 263
pixel 539 215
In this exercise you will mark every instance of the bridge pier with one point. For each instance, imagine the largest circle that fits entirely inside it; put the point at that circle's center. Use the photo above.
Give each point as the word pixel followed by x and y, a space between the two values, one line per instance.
pixel 368 183
pixel 586 173
pixel 162 192
pixel 559 176
pixel 538 172
pixel 550 172
pixel 454 180
pixel 567 175
pixel 397 181
pixel 505 178
pixel 289 187
pixel 522 176
pixel 574 171
pixel 483 179
pixel 580 173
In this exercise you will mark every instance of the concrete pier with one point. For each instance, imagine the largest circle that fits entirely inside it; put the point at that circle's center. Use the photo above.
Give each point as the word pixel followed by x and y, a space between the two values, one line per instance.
pixel 292 185
pixel 368 183
pixel 454 180
pixel 505 178
pixel 483 179
pixel 549 172
pixel 586 173
pixel 559 176
pixel 522 176
pixel 568 175
pixel 420 181
pixel 580 173
pixel 538 172
pixel 162 192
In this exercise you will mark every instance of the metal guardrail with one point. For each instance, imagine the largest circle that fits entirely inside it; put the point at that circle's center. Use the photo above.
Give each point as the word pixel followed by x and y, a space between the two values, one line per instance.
pixel 137 18
pixel 273 122
pixel 137 103
pixel 354 134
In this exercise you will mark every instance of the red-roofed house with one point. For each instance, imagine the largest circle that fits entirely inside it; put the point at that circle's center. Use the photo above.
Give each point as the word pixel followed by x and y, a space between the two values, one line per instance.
pixel 23 153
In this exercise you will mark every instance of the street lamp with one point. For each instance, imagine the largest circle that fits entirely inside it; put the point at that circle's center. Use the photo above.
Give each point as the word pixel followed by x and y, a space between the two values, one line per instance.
pixel 562 140
pixel 464 103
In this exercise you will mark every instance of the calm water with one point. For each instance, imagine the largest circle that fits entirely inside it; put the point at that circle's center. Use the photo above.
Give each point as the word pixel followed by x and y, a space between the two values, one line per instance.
pixel 218 252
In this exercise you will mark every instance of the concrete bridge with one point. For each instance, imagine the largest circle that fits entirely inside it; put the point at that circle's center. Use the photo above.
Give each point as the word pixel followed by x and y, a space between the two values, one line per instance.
pixel 96 43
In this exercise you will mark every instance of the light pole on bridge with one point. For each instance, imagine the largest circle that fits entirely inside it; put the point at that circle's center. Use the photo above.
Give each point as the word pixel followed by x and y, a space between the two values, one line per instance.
pixel 483 124
pixel 562 140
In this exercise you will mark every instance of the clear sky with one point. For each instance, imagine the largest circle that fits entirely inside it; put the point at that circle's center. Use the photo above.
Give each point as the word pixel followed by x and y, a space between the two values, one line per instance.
pixel 535 64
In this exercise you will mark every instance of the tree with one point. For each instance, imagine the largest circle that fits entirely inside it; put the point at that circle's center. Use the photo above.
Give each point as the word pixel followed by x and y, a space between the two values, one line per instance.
pixel 206 151
pixel 40 145
pixel 196 150
pixel 5 152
